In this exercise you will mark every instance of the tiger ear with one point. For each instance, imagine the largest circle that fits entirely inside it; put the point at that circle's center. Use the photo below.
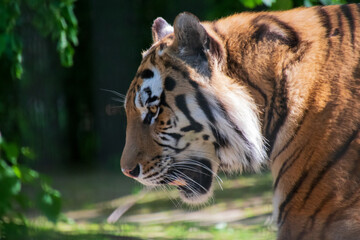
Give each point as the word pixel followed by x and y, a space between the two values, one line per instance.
pixel 190 35
pixel 160 29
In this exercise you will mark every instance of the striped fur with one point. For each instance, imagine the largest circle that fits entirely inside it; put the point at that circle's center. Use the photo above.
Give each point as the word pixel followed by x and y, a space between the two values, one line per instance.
pixel 280 89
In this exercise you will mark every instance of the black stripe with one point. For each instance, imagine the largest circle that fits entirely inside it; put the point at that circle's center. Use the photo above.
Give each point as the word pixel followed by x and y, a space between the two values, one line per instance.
pixel 168 64
pixel 203 103
pixel 169 83
pixel 354 176
pixel 180 102
pixel 151 175
pixel 347 12
pixel 340 27
pixel 282 109
pixel 270 112
pixel 205 106
pixel 221 140
pixel 146 74
pixel 164 138
pixel 325 21
pixel 306 228
pixel 231 123
pixel 175 136
pixel 291 194
pixel 295 188
pixel 177 150
pixel 163 102
pixel 286 165
pixel 150 98
pixel 148 118
pixel 291 37
pixel 337 155
pixel 325 200
pixel 152 57
pixel 264 33
pixel 237 71
pixel 330 218
pixel 293 135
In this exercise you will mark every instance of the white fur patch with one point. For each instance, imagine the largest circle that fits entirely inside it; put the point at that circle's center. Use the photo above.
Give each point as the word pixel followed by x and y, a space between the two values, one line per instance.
pixel 155 85
pixel 276 204
pixel 241 116
pixel 242 112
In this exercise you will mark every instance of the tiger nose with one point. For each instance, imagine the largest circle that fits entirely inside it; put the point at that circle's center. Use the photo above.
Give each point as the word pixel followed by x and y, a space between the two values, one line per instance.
pixel 134 173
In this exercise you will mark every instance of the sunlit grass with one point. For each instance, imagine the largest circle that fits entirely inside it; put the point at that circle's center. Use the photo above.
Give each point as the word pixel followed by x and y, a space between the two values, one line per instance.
pixel 237 212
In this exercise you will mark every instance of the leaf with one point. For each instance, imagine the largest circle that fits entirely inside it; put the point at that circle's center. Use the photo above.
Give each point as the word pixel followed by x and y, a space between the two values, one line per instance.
pixel 308 3
pixel 16 171
pixel 282 5
pixel 72 34
pixel 67 56
pixel 326 2
pixel 28 175
pixel 28 152
pixel 49 202
pixel 268 3
pixel 10 183
pixel 63 23
pixel 12 152
pixel 63 43
pixel 248 3
pixel 18 70
pixel 71 15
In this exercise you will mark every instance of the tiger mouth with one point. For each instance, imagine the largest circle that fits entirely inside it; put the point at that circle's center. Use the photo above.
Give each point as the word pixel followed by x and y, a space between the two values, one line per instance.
pixel 192 180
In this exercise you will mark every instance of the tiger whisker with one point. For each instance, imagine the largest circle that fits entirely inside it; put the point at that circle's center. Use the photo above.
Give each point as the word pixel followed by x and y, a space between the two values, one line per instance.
pixel 114 92
pixel 120 100
pixel 209 157
pixel 166 189
pixel 174 176
pixel 199 164
pixel 190 161
pixel 187 177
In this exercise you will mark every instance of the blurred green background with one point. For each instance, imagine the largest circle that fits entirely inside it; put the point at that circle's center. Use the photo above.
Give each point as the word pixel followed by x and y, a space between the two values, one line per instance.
pixel 60 130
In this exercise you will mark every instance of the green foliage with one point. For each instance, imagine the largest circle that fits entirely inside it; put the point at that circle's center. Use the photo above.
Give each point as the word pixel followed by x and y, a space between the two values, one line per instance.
pixel 253 3
pixel 13 177
pixel 57 18
pixel 288 4
pixel 309 3
pixel 223 8
pixel 54 19
pixel 10 45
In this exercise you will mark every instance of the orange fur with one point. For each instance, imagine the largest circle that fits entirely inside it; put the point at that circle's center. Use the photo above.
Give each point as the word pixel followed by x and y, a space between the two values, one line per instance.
pixel 301 69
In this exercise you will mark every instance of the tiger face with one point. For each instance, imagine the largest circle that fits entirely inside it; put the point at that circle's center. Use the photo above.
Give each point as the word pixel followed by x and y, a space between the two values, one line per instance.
pixel 179 131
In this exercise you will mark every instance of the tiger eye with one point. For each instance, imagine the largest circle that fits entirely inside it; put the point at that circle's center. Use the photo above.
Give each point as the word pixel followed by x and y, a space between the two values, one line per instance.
pixel 153 109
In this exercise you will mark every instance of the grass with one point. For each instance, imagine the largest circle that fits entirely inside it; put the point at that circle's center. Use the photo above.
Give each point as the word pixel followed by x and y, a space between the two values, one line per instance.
pixel 237 212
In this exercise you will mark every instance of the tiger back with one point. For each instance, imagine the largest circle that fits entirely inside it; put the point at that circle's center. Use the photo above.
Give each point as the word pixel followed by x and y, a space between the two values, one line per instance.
pixel 276 89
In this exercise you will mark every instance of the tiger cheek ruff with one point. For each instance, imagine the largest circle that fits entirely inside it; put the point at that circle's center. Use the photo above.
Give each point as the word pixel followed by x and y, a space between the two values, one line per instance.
pixel 276 89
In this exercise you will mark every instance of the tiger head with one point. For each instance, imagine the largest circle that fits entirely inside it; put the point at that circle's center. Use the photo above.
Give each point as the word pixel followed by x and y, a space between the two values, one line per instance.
pixel 186 118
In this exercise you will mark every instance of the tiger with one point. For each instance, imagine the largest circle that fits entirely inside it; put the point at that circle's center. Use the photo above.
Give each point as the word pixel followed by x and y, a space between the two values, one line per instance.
pixel 255 90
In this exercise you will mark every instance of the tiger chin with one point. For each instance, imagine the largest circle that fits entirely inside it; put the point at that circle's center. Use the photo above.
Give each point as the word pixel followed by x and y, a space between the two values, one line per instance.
pixel 253 90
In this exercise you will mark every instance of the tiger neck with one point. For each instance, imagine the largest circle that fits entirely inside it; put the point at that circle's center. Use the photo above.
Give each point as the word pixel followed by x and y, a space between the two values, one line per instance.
pixel 265 67
pixel 271 91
